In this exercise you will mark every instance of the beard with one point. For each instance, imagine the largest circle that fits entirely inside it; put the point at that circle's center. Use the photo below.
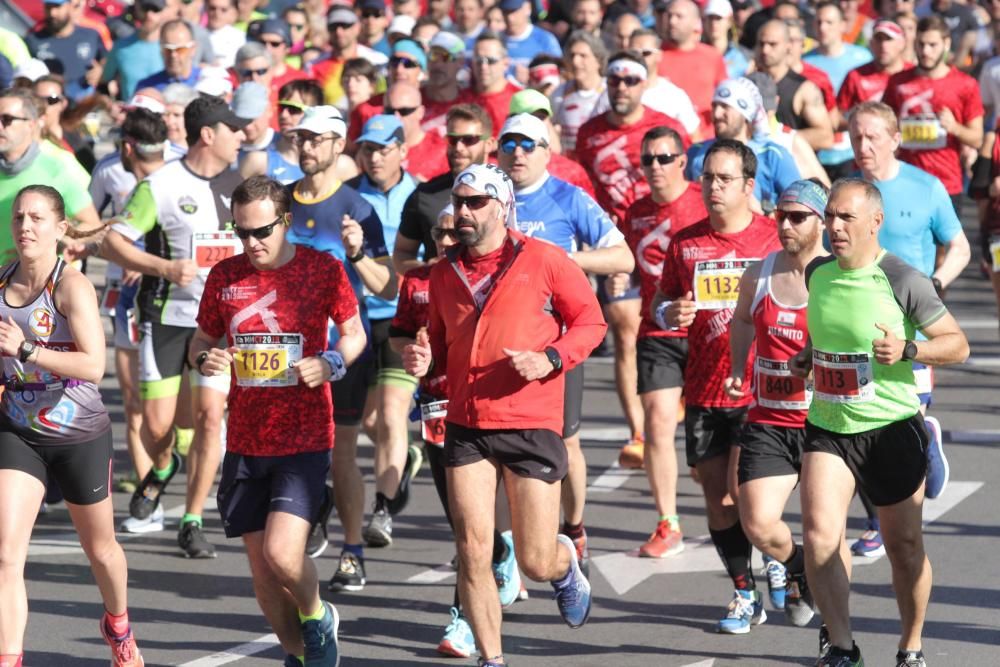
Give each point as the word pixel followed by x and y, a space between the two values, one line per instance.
pixel 469 235
pixel 318 166
pixel 796 246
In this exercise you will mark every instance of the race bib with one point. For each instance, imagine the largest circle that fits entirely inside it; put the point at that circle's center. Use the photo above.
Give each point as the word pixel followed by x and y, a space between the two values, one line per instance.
pixel 265 360
pixel 717 282
pixel 210 248
pixel 922 133
pixel 432 421
pixel 112 292
pixel 843 378
pixel 995 253
pixel 778 389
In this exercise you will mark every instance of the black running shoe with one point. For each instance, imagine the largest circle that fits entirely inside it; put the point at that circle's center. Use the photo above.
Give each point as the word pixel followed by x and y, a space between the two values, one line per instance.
pixel 910 659
pixel 192 541
pixel 350 575
pixel 319 538
pixel 414 459
pixel 146 497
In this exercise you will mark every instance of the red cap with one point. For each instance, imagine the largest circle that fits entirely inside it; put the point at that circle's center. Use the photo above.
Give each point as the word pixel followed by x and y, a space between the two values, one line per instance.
pixel 890 29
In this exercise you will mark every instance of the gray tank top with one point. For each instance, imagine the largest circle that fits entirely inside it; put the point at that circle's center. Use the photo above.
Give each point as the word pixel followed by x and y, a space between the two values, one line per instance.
pixel 44 408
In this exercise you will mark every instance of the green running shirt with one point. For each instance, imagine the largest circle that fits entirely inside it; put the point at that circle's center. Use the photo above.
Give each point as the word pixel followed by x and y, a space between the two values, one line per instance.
pixel 853 393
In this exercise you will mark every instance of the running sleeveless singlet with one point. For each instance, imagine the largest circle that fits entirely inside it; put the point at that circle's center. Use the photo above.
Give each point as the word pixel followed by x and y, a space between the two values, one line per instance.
pixel 44 408
pixel 279 168
pixel 787 87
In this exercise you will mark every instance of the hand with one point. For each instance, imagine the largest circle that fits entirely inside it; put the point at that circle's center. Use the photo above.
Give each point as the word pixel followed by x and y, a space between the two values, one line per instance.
pixel 417 355
pixel 313 371
pixel 130 278
pixel 801 364
pixel 682 311
pixel 617 284
pixel 947 120
pixel 181 271
pixel 530 365
pixel 352 236
pixel 11 337
pixel 74 251
pixel 218 361
pixel 888 349
pixel 734 388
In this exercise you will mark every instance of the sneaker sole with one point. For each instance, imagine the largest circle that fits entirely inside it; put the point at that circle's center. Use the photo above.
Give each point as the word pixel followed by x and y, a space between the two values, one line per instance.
pixel 336 631
pixel 874 553
pixel 448 649
pixel 940 455
pixel 377 540
pixel 316 553
pixel 350 588
pixel 743 630
pixel 201 555
pixel 666 554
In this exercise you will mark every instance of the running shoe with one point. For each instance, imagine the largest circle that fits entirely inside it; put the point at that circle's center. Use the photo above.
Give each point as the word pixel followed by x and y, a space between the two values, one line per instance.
pixel 483 662
pixel 663 543
pixel 838 657
pixel 291 661
pixel 573 597
pixel 582 553
pixel 152 524
pixel 458 641
pixel 870 543
pixel 414 459
pixel 745 609
pixel 320 639
pixel 146 497
pixel 522 594
pixel 776 581
pixel 319 538
pixel 193 542
pixel 632 454
pixel 378 532
pixel 824 640
pixel 506 574
pixel 124 652
pixel 350 574
pixel 937 463
pixel 910 659
pixel 798 601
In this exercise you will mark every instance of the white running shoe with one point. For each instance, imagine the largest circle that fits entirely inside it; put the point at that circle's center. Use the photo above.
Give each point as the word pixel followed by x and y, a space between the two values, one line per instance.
pixel 153 524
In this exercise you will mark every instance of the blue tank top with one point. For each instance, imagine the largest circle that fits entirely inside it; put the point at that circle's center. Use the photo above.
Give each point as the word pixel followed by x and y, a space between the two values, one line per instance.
pixel 279 168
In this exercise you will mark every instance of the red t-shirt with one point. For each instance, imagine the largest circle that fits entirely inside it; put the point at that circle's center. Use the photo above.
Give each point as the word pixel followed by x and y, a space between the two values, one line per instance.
pixel 648 228
pixel 864 84
pixel 239 299
pixel 428 158
pixel 822 81
pixel 361 114
pixel 497 105
pixel 570 171
pixel 411 314
pixel 698 73
pixel 611 156
pixel 709 264
pixel 435 112
pixel 917 99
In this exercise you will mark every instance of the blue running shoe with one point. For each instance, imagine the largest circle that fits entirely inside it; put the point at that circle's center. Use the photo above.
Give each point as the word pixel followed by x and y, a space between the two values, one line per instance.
pixel 870 543
pixel 746 609
pixel 320 639
pixel 776 581
pixel 573 596
pixel 937 463
pixel 458 640
pixel 506 574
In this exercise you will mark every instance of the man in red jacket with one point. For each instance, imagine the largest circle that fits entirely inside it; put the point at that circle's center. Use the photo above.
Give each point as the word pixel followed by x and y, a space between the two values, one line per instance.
pixel 508 316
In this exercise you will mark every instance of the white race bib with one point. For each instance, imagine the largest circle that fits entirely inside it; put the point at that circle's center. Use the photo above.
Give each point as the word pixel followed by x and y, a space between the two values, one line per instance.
pixel 265 360
pixel 432 424
pixel 210 248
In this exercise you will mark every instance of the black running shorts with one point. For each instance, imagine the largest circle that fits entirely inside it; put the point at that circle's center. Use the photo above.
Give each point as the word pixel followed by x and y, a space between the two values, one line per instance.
pixel 351 391
pixel 770 451
pixel 83 470
pixel 710 432
pixel 660 362
pixel 537 453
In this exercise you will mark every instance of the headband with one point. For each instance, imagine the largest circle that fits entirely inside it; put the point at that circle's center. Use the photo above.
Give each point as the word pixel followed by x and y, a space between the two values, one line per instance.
pixel 806 193
pixel 626 67
pixel 490 180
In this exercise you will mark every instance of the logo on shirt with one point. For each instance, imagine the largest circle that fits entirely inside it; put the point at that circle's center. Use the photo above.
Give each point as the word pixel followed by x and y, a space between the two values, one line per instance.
pixel 786 319
pixel 422 297
pixel 238 293
pixel 83 51
pixel 695 253
pixel 188 205
pixel 531 227
pixel 42 322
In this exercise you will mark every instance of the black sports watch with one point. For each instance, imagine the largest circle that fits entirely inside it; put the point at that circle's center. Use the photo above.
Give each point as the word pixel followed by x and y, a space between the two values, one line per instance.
pixel 25 350
pixel 554 358
pixel 200 359
pixel 357 258
pixel 909 351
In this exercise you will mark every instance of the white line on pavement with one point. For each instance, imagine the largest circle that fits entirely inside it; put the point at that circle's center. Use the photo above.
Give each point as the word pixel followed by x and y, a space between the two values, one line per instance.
pixel 433 576
pixel 987 323
pixel 252 647
pixel 984 361
pixel 611 479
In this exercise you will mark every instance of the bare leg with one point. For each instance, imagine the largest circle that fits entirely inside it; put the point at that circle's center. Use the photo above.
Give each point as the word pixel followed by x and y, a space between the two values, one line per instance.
pixel 274 600
pixel 762 502
pixel 660 409
pixel 534 513
pixel 126 368
pixel 574 486
pixel 95 524
pixel 348 485
pixel 20 496
pixel 393 438
pixel 623 318
pixel 911 570
pixel 206 448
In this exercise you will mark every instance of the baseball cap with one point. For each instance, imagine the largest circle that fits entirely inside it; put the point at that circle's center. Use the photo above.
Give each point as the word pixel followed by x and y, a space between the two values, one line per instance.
pixel 370 4
pixel 890 29
pixel 322 119
pixel 207 111
pixel 341 14
pixel 32 69
pixel 527 126
pixel 269 27
pixel 511 5
pixel 147 102
pixel 718 8
pixel 411 49
pixel 401 25
pixel 250 100
pixel 529 101
pixel 383 130
pixel 448 41
pixel 214 81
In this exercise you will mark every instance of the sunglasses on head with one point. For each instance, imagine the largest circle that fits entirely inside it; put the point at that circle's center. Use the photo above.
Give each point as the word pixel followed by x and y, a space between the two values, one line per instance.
pixel 794 217
pixel 291 108
pixel 508 146
pixel 663 159
pixel 464 139
pixel 630 81
pixel 474 202
pixel 439 233
pixel 400 111
pixel 259 233
pixel 408 63
pixel 247 73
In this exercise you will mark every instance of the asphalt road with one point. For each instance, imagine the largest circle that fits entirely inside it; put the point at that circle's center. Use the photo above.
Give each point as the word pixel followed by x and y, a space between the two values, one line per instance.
pixel 202 613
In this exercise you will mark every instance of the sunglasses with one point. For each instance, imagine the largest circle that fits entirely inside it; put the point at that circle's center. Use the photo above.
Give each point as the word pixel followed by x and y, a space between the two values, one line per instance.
pixel 291 108
pixel 486 60
pixel 178 48
pixel 6 119
pixel 794 217
pixel 408 63
pixel 52 100
pixel 475 202
pixel 400 111
pixel 247 73
pixel 274 44
pixel 372 14
pixel 440 233
pixel 340 26
pixel 508 146
pixel 439 56
pixel 630 81
pixel 647 52
pixel 151 9
pixel 464 139
pixel 259 233
pixel 663 159
pixel 297 26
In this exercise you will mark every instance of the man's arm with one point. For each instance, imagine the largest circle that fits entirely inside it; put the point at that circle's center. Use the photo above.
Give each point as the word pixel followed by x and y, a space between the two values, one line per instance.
pixel 956 258
pixel 741 330
pixel 605 261
pixel 120 250
pixel 809 105
pixel 574 300
pixel 806 160
pixel 946 343
pixel 970 134
pixel 404 254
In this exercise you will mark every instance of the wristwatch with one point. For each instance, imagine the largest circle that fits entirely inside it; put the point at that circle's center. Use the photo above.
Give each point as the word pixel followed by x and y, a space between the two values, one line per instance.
pixel 25 350
pixel 909 351
pixel 200 359
pixel 357 258
pixel 554 358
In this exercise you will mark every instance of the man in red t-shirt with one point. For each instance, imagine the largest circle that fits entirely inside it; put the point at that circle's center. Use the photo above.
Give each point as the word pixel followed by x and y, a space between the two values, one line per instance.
pixel 425 151
pixel 698 292
pixel 274 473
pixel 490 87
pixel 672 205
pixel 940 109
pixel 867 83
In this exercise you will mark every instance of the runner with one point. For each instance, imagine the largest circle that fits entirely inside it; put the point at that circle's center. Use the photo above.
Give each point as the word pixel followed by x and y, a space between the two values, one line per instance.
pixel 54 424
pixel 697 292
pixel 543 320
pixel 771 311
pixel 863 412
pixel 651 222
pixel 274 474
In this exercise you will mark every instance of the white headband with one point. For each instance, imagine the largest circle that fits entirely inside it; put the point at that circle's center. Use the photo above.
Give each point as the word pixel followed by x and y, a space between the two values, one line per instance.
pixel 490 180
pixel 626 67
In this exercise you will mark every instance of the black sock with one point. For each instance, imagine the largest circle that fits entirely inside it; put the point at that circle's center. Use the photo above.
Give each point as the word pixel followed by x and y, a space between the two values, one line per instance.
pixel 499 548
pixel 796 564
pixel 380 501
pixel 573 532
pixel 734 549
pixel 456 603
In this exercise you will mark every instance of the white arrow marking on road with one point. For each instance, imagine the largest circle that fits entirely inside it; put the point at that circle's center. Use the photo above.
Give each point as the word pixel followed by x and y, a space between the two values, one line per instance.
pixel 611 479
pixel 253 647
pixel 703 663
pixel 433 576
pixel 625 570
pixel 983 361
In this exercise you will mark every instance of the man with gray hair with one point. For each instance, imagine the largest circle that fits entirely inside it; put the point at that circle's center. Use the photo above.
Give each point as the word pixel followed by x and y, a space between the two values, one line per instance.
pixel 584 94
pixel 176 97
pixel 253 62
pixel 661 93
pixel 177 46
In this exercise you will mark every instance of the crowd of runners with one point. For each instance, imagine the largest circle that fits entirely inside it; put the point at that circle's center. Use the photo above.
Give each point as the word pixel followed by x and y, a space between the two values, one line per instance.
pixel 416 220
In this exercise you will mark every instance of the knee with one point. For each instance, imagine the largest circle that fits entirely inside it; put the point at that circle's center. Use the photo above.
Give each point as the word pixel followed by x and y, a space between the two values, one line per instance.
pixel 157 428
pixel 537 564
pixel 661 420
pixel 281 561
pixel 209 420
pixel 11 562
pixel 104 552
pixel 821 543
pixel 474 552
pixel 906 549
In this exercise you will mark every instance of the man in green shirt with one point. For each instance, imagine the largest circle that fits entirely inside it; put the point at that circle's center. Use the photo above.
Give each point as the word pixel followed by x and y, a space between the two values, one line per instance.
pixel 864 428
pixel 24 160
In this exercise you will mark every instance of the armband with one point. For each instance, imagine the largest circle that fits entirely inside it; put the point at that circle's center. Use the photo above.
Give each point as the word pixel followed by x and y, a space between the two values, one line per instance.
pixel 338 369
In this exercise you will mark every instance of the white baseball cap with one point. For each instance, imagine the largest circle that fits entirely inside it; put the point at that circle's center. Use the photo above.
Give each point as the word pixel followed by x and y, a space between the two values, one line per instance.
pixel 402 24
pixel 528 126
pixel 718 8
pixel 322 119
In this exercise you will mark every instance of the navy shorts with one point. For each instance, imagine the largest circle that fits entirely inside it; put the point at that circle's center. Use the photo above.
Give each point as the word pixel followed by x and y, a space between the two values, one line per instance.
pixel 254 486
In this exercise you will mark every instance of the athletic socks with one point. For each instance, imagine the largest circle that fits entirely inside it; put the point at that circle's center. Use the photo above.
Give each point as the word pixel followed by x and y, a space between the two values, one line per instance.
pixel 118 626
pixel 164 475
pixel 356 549
pixel 315 616
pixel 673 519
pixel 381 501
pixel 573 532
pixel 734 549
pixel 191 517
pixel 796 564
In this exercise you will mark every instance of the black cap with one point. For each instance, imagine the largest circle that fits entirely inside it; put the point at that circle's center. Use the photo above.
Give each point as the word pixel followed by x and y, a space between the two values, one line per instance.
pixel 209 110
pixel 269 27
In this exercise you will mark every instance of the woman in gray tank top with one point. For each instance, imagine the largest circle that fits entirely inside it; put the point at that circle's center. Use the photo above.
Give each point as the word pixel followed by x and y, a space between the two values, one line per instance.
pixel 53 424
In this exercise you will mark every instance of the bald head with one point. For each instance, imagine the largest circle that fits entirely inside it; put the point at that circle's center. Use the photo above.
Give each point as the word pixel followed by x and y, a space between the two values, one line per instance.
pixel 624 27
pixel 682 23
pixel 403 95
pixel 773 43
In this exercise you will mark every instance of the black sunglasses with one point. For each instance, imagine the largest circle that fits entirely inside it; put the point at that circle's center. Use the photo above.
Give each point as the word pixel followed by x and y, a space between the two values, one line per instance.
pixel 408 63
pixel 439 233
pixel 273 43
pixel 259 233
pixel 475 202
pixel 464 139
pixel 247 73
pixel 53 100
pixel 151 9
pixel 6 119
pixel 663 159
pixel 402 111
pixel 794 217
pixel 630 81
pixel 372 14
